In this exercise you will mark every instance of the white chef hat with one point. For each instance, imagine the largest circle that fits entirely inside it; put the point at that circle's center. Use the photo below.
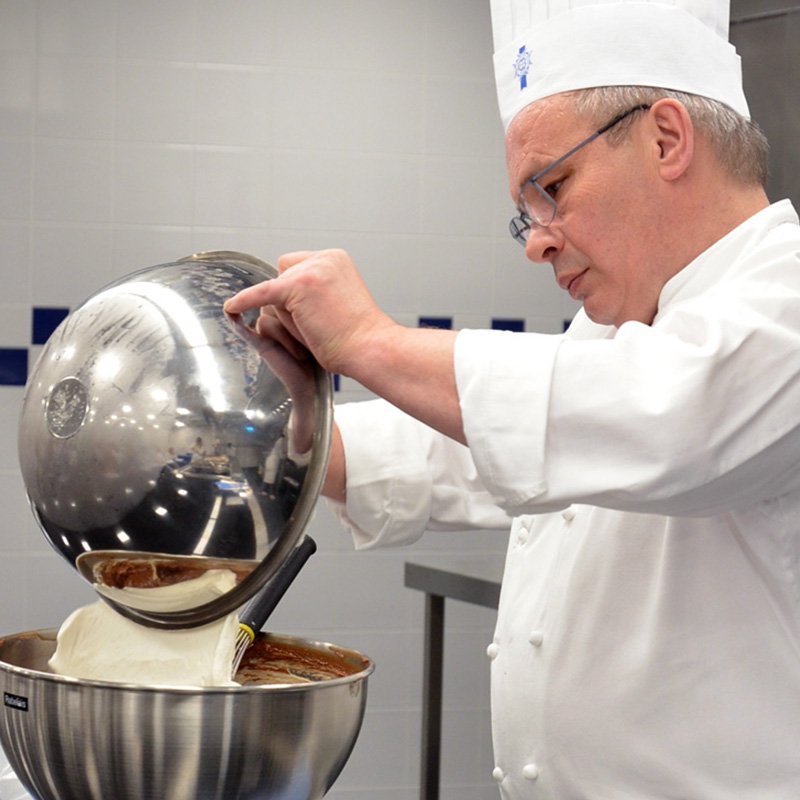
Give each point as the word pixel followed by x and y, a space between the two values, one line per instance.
pixel 543 47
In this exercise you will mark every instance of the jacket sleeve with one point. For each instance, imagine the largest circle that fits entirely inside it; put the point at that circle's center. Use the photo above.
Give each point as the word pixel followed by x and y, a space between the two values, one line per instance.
pixel 694 415
pixel 404 478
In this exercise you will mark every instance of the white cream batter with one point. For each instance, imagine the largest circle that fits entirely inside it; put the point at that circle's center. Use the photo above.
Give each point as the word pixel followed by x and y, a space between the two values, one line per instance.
pixel 97 643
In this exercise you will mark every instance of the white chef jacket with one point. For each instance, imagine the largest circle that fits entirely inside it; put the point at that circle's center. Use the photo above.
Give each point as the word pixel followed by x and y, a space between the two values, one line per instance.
pixel 648 635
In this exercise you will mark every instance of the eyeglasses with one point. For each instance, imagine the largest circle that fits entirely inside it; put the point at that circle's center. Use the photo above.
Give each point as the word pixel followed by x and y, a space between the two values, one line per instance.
pixel 536 206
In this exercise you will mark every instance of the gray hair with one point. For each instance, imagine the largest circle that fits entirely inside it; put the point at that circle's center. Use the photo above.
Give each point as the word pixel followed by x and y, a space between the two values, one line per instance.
pixel 738 143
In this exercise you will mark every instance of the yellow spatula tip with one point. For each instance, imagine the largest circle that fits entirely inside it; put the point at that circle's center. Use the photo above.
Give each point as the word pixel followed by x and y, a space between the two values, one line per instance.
pixel 251 634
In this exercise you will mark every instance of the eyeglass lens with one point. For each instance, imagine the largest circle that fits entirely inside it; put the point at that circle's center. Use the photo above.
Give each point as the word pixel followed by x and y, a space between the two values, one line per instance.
pixel 537 204
pixel 536 208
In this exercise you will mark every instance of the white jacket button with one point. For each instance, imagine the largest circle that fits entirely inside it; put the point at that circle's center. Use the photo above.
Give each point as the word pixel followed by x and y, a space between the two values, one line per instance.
pixel 493 650
pixel 498 774
pixel 530 772
pixel 522 535
pixel 568 514
pixel 536 638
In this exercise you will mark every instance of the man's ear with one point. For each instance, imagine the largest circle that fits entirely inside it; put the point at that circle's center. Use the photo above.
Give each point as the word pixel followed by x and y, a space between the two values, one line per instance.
pixel 673 138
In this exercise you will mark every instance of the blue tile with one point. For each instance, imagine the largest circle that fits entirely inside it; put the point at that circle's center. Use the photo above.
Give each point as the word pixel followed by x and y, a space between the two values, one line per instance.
pixel 13 366
pixel 516 325
pixel 45 321
pixel 436 322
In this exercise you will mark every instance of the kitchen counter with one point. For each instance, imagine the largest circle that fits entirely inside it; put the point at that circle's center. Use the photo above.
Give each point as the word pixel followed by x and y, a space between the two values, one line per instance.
pixel 471 579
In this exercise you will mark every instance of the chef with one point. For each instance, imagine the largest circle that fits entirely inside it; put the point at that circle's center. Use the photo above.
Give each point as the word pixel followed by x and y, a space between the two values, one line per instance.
pixel 647 461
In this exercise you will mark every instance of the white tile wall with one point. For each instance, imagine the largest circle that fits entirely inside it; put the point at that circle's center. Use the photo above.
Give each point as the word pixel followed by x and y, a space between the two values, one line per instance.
pixel 72 181
pixel 133 133
pixel 154 102
pixel 74 98
pixel 17 88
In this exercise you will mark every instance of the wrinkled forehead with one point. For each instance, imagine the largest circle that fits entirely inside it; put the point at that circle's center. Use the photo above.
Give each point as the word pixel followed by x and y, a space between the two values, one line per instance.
pixel 539 134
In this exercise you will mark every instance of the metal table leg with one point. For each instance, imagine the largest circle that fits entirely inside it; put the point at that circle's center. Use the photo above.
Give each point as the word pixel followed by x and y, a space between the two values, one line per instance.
pixel 432 696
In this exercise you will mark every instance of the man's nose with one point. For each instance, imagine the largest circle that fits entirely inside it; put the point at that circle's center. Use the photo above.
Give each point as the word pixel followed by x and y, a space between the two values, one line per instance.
pixel 544 244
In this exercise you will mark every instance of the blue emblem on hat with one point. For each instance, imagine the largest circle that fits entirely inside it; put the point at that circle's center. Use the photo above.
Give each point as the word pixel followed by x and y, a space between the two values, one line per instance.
pixel 522 66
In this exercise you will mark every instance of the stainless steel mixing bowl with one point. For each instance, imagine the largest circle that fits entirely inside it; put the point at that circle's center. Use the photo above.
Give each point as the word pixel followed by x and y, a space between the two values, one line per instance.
pixel 153 424
pixel 68 739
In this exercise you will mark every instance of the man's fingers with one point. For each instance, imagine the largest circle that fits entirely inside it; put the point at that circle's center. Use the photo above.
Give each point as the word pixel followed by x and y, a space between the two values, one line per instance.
pixel 271 324
pixel 290 259
pixel 253 297
pixel 266 293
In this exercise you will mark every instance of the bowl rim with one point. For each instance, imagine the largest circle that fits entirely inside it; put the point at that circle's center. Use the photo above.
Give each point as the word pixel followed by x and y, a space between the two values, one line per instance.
pixel 49 634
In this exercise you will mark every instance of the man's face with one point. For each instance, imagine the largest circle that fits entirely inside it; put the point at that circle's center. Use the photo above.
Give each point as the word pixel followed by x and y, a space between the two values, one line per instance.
pixel 605 243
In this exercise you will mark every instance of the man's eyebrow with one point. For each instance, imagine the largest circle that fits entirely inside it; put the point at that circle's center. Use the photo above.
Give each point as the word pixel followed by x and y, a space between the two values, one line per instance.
pixel 533 167
pixel 535 172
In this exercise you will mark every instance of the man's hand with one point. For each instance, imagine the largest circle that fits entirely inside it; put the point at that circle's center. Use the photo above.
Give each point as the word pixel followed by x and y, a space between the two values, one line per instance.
pixel 320 301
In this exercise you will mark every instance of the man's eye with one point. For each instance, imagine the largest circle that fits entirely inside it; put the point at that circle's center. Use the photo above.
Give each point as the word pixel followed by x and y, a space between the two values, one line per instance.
pixel 552 188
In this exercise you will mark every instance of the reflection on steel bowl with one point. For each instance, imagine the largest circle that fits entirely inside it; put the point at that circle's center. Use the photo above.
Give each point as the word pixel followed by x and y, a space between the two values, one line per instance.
pixel 154 423
pixel 69 739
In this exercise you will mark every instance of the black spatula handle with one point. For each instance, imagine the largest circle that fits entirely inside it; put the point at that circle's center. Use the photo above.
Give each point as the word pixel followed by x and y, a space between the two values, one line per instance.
pixel 257 611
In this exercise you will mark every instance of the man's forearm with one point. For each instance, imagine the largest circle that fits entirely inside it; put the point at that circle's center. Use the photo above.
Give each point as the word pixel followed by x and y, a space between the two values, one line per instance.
pixel 413 369
pixel 335 484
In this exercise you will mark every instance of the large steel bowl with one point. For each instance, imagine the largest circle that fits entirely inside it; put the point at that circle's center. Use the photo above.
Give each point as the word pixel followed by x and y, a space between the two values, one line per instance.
pixel 69 739
pixel 154 426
